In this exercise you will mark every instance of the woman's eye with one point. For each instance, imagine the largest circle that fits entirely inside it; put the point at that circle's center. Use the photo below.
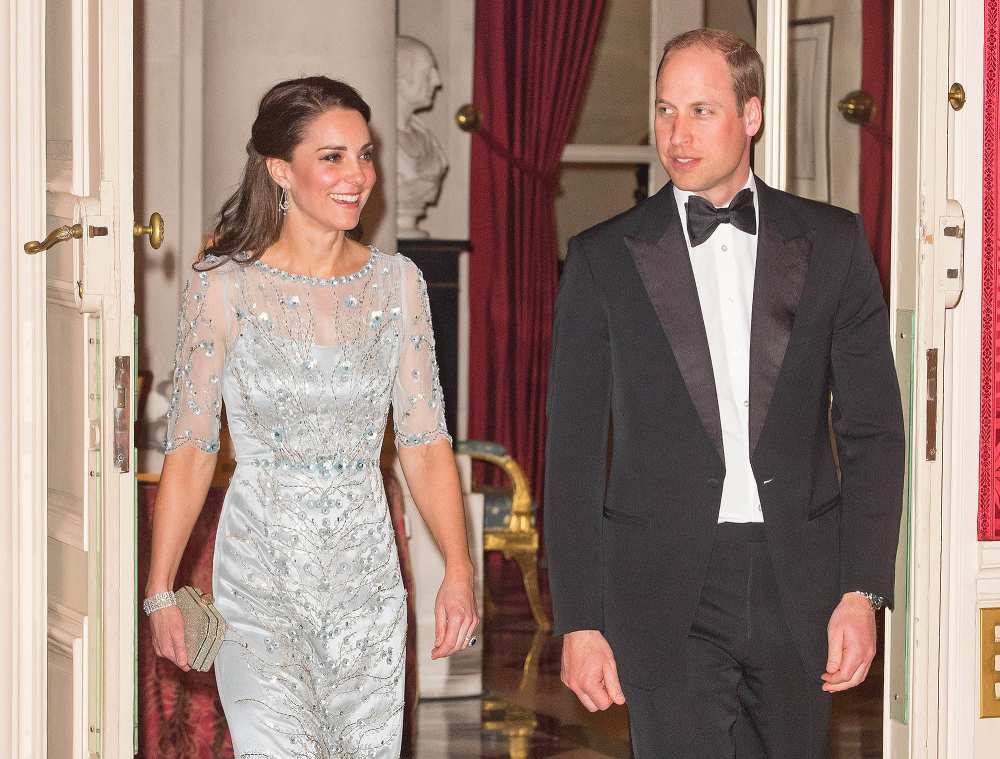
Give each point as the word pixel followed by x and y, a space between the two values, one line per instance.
pixel 332 157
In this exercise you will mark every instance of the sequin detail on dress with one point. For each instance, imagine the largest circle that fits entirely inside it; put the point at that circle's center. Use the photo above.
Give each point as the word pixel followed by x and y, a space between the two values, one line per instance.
pixel 306 572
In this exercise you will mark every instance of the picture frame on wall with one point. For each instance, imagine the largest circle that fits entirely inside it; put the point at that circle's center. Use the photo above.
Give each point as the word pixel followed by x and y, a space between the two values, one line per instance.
pixel 809 66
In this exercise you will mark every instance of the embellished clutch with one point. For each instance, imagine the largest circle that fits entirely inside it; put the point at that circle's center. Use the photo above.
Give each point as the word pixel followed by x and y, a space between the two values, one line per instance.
pixel 204 627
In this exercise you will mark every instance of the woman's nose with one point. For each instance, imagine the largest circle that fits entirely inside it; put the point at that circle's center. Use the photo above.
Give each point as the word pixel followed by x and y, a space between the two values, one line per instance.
pixel 355 173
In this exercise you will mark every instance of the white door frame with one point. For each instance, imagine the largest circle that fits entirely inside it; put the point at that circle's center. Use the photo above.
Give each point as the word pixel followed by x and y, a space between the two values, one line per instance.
pixel 22 387
pixel 972 578
pixel 921 185
pixel 23 475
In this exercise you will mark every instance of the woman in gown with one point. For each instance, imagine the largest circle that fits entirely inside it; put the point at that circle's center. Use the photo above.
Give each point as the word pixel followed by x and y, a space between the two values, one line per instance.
pixel 307 337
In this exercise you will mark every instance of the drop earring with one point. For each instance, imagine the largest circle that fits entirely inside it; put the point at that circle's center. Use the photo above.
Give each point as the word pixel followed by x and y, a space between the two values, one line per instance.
pixel 283 203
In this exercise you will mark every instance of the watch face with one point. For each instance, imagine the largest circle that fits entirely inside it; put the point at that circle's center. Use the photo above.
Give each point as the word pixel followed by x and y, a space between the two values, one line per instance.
pixel 876 602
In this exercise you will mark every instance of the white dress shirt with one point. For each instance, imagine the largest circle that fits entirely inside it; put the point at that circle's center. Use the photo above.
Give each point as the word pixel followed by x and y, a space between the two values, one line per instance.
pixel 724 274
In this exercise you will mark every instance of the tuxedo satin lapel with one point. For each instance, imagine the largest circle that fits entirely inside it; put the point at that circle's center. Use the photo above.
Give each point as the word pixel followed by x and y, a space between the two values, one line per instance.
pixel 782 259
pixel 665 269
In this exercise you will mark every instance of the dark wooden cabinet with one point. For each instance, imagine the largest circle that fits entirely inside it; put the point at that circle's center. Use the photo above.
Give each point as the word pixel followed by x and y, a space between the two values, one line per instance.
pixel 439 260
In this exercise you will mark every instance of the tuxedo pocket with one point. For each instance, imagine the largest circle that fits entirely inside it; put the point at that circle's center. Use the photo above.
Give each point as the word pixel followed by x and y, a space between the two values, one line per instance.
pixel 815 512
pixel 622 517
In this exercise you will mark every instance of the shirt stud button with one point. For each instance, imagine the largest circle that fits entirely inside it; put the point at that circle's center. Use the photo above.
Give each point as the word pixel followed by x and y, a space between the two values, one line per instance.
pixel 724 248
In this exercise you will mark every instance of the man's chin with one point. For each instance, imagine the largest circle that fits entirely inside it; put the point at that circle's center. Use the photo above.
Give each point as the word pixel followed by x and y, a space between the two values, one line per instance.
pixel 688 184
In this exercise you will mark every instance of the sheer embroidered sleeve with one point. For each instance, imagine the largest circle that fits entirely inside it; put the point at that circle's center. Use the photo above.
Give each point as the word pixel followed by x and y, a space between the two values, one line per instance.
pixel 196 399
pixel 417 400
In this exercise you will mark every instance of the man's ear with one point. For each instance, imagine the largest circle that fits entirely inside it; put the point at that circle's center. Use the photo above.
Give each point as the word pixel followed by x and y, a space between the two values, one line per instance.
pixel 278 169
pixel 753 116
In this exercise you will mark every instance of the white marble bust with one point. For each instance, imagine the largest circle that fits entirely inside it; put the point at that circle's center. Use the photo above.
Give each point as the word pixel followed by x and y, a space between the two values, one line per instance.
pixel 420 161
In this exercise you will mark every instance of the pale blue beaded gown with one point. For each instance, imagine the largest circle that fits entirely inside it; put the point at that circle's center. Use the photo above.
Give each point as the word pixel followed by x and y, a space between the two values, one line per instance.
pixel 306 573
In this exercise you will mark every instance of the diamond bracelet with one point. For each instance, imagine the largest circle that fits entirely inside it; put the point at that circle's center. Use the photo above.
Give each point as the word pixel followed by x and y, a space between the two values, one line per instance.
pixel 159 601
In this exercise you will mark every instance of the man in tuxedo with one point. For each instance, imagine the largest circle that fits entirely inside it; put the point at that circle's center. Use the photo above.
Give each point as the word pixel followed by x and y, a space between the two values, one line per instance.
pixel 720 567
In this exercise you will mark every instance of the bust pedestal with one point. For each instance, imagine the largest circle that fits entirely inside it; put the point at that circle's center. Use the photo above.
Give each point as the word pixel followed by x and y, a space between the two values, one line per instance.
pixel 444 264
pixel 460 674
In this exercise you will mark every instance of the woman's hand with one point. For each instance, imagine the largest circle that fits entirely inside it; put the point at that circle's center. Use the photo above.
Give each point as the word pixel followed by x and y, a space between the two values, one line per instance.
pixel 168 636
pixel 455 614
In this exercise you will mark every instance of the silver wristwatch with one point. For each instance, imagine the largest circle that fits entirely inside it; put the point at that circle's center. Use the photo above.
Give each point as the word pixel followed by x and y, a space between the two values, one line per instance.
pixel 159 601
pixel 877 602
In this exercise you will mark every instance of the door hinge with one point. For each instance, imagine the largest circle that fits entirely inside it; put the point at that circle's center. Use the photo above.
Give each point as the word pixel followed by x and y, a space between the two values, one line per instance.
pixel 123 412
pixel 930 451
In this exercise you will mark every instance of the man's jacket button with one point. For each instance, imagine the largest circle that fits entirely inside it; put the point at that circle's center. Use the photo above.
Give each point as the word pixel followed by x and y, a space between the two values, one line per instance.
pixel 713 482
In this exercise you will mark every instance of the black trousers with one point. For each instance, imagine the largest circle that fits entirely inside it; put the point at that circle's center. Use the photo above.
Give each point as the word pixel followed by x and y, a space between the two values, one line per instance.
pixel 747 694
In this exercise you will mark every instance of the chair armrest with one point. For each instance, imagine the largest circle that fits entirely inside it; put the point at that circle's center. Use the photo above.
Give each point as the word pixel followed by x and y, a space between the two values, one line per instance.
pixel 494 453
pixel 480 446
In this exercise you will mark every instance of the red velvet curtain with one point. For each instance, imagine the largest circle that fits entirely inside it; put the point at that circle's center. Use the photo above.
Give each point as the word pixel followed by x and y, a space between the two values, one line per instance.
pixel 876 136
pixel 531 65
pixel 989 442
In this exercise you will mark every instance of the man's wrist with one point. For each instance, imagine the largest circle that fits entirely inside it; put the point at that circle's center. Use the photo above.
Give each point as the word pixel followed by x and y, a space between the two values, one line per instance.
pixel 580 634
pixel 874 600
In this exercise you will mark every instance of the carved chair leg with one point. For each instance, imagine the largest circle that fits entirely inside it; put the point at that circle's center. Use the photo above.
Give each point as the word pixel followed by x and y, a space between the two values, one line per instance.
pixel 529 671
pixel 528 563
pixel 519 746
pixel 489 606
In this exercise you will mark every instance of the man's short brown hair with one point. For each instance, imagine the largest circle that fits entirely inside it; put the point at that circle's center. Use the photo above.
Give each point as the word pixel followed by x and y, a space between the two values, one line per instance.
pixel 745 66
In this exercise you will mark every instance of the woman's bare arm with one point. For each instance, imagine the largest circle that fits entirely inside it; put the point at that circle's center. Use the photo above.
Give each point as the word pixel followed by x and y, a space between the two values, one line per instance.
pixel 432 478
pixel 184 482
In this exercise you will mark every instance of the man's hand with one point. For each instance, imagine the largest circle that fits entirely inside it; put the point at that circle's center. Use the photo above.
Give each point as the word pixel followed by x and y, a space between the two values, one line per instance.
pixel 851 636
pixel 589 670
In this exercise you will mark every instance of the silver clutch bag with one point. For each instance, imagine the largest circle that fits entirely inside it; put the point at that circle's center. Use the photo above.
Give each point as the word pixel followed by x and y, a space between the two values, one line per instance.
pixel 204 627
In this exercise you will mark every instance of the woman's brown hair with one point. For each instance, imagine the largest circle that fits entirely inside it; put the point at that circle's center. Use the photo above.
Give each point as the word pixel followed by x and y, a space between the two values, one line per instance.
pixel 249 221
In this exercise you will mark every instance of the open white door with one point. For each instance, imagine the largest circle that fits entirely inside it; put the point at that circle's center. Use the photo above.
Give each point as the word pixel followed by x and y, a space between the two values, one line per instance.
pixel 73 71
pixel 926 289
pixel 921 291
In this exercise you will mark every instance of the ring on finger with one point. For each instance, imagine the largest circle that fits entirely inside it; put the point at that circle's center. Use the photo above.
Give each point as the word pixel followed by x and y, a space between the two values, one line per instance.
pixel 471 641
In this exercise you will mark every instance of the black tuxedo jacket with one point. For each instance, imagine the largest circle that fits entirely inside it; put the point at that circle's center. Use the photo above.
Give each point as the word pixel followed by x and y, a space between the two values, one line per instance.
pixel 629 530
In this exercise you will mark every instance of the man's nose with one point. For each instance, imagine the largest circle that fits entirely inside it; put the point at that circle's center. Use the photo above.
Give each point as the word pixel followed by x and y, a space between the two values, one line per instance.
pixel 681 132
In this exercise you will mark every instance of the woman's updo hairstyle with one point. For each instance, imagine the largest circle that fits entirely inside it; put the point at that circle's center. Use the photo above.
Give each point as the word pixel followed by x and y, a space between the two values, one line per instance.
pixel 249 221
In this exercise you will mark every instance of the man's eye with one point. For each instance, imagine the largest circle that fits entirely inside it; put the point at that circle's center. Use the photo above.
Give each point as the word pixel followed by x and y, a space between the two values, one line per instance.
pixel 368 155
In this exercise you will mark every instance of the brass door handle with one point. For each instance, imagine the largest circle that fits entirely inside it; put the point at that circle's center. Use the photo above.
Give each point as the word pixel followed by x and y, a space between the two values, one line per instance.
pixel 956 96
pixel 857 107
pixel 154 230
pixel 469 118
pixel 56 236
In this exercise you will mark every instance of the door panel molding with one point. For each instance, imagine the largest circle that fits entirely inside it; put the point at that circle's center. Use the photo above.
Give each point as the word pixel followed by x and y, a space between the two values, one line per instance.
pixel 66 514
pixel 68 645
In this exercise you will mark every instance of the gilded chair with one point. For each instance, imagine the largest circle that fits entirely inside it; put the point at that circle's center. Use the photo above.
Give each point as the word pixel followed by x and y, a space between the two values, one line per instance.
pixel 508 520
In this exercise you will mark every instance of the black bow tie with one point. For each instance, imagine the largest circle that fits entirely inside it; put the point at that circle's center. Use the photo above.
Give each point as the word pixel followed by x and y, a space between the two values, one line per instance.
pixel 703 217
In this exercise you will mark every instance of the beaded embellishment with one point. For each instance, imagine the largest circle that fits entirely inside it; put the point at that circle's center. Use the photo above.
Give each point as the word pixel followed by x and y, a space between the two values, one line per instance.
pixel 306 571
